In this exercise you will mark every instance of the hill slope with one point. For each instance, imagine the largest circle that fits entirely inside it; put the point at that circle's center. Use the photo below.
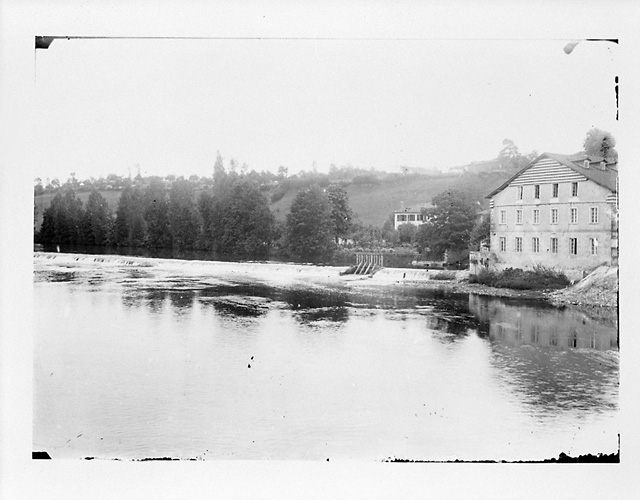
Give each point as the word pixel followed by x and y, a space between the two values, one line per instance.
pixel 372 203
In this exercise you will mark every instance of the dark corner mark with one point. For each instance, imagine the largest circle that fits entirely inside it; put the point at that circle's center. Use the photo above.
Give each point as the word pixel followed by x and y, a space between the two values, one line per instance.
pixel 613 40
pixel 40 455
pixel 616 89
pixel 43 42
pixel 563 458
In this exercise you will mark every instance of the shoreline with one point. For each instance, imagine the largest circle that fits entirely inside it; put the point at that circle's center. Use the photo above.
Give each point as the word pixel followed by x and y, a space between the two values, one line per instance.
pixel 601 303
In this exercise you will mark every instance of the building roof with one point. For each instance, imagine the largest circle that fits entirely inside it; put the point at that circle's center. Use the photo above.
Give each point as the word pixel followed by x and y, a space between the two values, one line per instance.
pixel 606 178
pixel 416 210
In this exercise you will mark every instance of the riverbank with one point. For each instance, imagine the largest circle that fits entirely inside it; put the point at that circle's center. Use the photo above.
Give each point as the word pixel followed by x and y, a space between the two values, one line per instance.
pixel 598 290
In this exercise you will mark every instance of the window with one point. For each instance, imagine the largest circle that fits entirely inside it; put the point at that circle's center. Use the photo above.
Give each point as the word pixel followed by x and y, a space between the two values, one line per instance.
pixel 554 245
pixel 554 216
pixel 518 216
pixel 412 218
pixel 574 216
pixel 536 216
pixel 535 244
pixel 503 216
pixel 419 217
pixel 503 244
pixel 574 189
pixel 520 189
pixel 555 191
pixel 536 191
pixel 573 246
pixel 594 215
pixel 594 246
pixel 518 244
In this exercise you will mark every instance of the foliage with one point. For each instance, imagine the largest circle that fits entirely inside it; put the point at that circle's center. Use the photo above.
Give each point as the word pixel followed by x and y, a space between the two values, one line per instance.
pixel 309 236
pixel 444 276
pixel 481 232
pixel 510 157
pixel 62 220
pixel 156 214
pixel 130 226
pixel 184 219
pixel 280 190
pixel 237 221
pixel 539 278
pixel 600 145
pixel 341 213
pixel 96 221
pixel 448 225
pixel 407 233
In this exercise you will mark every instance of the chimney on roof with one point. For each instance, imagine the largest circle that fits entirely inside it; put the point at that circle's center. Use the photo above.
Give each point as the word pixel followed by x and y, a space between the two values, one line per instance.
pixel 585 164
pixel 603 165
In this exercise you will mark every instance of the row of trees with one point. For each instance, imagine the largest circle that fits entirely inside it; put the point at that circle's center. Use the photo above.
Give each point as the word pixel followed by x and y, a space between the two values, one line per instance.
pixel 232 218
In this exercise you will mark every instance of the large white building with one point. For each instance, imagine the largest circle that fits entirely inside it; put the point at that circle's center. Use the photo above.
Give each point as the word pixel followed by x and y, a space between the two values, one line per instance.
pixel 559 211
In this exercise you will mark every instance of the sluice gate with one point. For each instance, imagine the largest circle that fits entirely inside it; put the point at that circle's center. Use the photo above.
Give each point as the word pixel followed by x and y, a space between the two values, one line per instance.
pixel 366 263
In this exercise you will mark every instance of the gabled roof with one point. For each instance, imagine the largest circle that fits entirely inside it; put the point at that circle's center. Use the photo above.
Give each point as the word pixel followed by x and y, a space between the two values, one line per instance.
pixel 606 178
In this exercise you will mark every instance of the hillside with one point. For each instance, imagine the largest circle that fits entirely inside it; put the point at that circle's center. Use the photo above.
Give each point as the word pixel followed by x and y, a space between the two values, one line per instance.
pixel 371 202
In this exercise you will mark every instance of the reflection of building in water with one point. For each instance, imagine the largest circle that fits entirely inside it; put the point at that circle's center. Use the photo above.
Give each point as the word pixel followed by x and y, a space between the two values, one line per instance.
pixel 520 324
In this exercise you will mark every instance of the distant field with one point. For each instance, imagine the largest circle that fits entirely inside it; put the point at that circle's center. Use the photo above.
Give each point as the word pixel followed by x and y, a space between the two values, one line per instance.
pixel 372 203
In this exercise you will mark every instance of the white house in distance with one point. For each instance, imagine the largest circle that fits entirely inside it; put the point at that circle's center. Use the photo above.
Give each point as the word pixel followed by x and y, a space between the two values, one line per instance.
pixel 409 215
pixel 560 211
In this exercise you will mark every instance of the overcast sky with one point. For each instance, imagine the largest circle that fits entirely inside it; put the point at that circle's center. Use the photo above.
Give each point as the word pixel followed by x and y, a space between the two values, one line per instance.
pixel 107 106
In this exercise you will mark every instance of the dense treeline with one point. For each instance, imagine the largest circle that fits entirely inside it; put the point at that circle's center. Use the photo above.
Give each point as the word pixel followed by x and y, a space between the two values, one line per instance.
pixel 231 218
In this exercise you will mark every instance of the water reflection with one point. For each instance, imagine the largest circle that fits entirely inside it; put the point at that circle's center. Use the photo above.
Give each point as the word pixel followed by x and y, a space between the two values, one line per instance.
pixel 557 360
pixel 155 299
pixel 519 323
pixel 182 300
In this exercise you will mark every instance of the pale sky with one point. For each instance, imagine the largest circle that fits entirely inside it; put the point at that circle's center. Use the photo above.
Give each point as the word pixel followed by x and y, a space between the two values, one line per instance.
pixel 168 105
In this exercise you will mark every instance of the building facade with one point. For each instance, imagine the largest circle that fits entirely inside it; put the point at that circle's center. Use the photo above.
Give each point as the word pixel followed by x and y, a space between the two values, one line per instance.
pixel 560 212
pixel 409 216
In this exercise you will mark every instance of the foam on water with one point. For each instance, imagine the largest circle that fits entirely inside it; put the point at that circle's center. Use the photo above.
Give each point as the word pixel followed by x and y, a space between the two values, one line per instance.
pixel 272 272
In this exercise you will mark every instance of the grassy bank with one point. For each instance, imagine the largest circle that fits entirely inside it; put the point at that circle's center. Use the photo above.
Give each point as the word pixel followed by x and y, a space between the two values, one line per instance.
pixel 539 278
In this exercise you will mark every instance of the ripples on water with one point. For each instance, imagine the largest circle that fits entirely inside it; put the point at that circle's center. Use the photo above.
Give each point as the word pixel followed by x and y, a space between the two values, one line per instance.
pixel 145 357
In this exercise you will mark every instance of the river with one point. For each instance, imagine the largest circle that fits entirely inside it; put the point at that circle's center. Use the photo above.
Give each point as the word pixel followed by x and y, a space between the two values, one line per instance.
pixel 141 357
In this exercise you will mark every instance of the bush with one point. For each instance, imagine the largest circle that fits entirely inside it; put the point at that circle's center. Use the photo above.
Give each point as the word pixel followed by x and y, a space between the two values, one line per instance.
pixel 445 276
pixel 539 277
pixel 279 192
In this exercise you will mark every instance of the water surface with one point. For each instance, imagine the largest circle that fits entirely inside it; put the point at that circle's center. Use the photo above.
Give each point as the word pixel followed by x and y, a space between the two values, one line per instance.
pixel 140 357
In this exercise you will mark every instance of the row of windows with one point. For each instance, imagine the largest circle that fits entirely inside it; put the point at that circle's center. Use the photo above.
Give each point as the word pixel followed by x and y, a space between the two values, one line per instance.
pixel 554 190
pixel 409 217
pixel 573 215
pixel 553 245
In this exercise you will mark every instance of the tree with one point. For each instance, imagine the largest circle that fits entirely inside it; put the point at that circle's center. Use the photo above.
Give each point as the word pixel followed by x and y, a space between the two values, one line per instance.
pixel 309 223
pixel 407 232
pixel 511 158
pixel 156 214
pixel 481 232
pixel 341 213
pixel 448 226
pixel 184 219
pixel 237 222
pixel 130 226
pixel 283 172
pixel 62 220
pixel 600 145
pixel 96 220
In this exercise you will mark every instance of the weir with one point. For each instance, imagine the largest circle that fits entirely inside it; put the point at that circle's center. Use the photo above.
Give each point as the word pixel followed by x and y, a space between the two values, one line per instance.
pixel 366 263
